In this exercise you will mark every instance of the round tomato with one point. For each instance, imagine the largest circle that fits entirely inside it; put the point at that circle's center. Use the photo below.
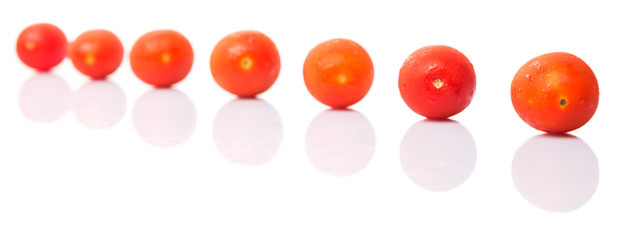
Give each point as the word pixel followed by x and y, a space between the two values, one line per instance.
pixel 245 63
pixel 162 58
pixel 338 72
pixel 41 46
pixel 437 82
pixel 555 92
pixel 96 53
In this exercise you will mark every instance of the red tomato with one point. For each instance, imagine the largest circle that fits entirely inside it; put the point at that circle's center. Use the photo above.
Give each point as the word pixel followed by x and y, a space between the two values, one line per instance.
pixel 41 46
pixel 162 58
pixel 338 72
pixel 96 53
pixel 437 82
pixel 245 63
pixel 555 92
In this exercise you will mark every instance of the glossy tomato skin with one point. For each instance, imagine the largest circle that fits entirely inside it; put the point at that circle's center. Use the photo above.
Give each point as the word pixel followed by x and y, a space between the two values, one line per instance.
pixel 245 63
pixel 555 92
pixel 96 53
pixel 338 72
pixel 162 58
pixel 437 82
pixel 41 46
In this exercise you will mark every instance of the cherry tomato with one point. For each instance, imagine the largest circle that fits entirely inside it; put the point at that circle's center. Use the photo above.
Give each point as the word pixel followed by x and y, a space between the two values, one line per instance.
pixel 41 46
pixel 162 58
pixel 96 53
pixel 338 72
pixel 245 63
pixel 437 82
pixel 555 92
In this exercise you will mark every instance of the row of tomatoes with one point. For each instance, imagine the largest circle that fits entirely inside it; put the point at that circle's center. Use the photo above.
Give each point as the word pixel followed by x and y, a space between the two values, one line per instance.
pixel 555 92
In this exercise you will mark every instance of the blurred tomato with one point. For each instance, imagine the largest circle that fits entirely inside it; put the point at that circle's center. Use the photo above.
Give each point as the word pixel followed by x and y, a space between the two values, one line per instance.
pixel 162 58
pixel 96 53
pixel 41 46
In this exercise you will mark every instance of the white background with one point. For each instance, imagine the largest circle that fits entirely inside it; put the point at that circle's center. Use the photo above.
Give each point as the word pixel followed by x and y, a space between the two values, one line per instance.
pixel 84 160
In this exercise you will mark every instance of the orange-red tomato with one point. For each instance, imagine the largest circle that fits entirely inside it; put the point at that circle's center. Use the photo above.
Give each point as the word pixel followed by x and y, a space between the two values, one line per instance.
pixel 338 72
pixel 245 63
pixel 555 92
pixel 437 82
pixel 41 46
pixel 96 53
pixel 162 58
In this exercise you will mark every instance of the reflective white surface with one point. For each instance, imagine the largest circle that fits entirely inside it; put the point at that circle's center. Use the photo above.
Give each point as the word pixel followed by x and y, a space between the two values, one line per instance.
pixel 555 173
pixel 45 98
pixel 164 117
pixel 99 104
pixel 340 142
pixel 248 131
pixel 438 155
pixel 176 163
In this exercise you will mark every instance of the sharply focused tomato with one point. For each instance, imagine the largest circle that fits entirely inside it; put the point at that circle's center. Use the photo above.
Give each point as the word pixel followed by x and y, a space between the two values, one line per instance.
pixel 162 58
pixel 555 92
pixel 96 53
pixel 437 82
pixel 338 72
pixel 41 46
pixel 245 63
